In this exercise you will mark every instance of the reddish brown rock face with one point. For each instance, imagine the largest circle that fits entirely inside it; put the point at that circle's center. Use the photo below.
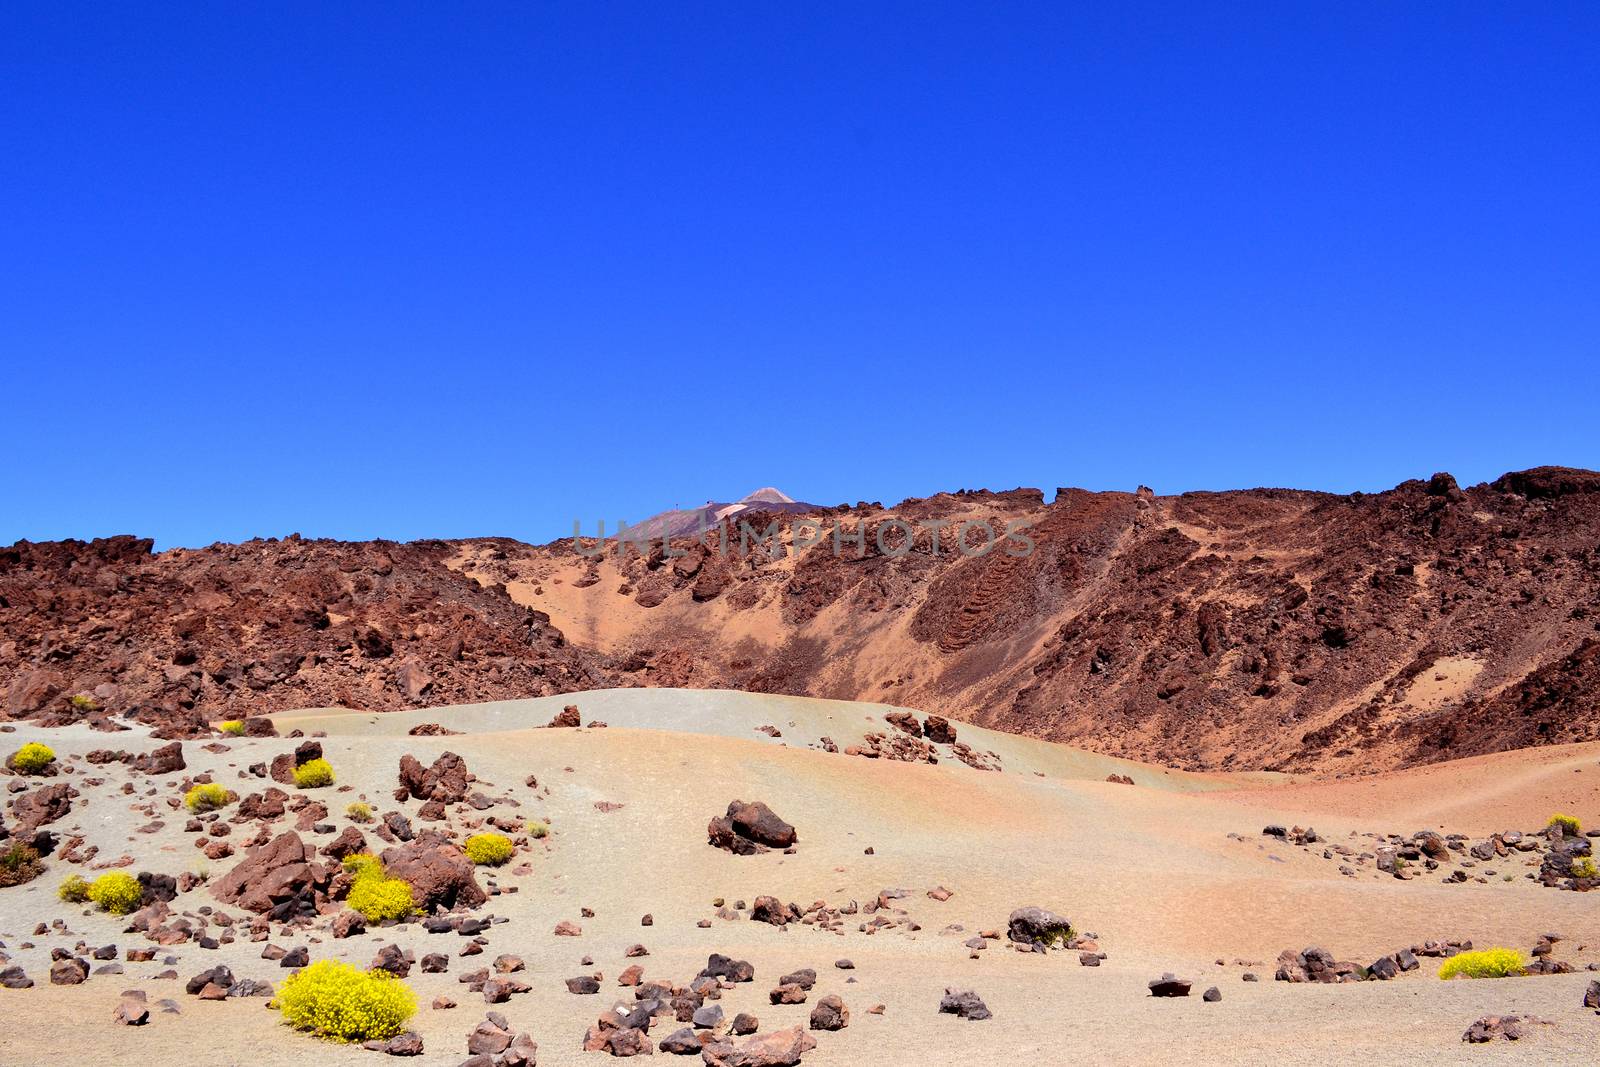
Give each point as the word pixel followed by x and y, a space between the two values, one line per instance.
pixel 438 872
pixel 445 782
pixel 40 807
pixel 178 638
pixel 282 870
pixel 1227 630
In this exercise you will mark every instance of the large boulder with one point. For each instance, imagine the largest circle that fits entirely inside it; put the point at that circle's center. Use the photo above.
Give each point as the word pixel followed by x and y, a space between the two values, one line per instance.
pixel 284 765
pixel 750 828
pixel 830 1013
pixel 40 807
pixel 446 781
pixel 1038 928
pixel 728 968
pixel 1170 985
pixel 779 1048
pixel 281 877
pixel 33 692
pixel 348 843
pixel 164 760
pixel 440 875
pixel 964 1003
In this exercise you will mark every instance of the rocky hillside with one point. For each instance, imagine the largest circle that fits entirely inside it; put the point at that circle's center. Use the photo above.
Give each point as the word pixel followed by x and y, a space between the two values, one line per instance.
pixel 1246 629
pixel 90 630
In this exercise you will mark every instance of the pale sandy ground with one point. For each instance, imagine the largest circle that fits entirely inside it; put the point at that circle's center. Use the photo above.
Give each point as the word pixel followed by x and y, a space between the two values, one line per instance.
pixel 1150 868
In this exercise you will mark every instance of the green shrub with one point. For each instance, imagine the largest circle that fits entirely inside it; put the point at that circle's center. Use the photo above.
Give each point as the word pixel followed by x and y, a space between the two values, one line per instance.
pixel 1570 827
pixel 117 892
pixel 32 758
pixel 74 890
pixel 488 849
pixel 313 774
pixel 378 898
pixel 538 830
pixel 18 864
pixel 206 797
pixel 336 1001
pixel 231 727
pixel 359 812
pixel 1583 867
pixel 84 702
pixel 1484 963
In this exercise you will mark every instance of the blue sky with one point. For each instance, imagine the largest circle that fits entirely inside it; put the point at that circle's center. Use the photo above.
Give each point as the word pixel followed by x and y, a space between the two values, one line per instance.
pixel 424 270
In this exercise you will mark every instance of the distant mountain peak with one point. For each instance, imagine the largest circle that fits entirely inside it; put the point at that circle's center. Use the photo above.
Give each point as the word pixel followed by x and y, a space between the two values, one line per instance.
pixel 686 522
pixel 767 495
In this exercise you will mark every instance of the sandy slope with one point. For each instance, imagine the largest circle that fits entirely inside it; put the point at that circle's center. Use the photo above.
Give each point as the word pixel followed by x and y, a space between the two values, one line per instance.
pixel 1151 869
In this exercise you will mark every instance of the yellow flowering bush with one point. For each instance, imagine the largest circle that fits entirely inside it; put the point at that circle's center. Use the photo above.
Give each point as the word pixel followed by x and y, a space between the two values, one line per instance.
pixel 336 1001
pixel 1584 867
pixel 313 774
pixel 491 850
pixel 117 892
pixel 1484 963
pixel 375 896
pixel 364 865
pixel 232 727
pixel 74 890
pixel 1570 826
pixel 206 797
pixel 378 899
pixel 359 812
pixel 32 758
pixel 538 829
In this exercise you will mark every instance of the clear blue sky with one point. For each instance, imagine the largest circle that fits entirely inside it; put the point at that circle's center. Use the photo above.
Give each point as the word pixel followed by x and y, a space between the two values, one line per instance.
pixel 415 270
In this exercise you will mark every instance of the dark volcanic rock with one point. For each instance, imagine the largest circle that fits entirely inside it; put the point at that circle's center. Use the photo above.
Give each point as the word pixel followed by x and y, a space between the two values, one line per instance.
pixel 1039 928
pixel 965 1003
pixel 750 828
pixel 1169 985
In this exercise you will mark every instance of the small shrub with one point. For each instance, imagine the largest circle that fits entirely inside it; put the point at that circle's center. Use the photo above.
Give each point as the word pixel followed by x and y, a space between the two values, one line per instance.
pixel 84 702
pixel 336 1001
pixel 1583 867
pixel 313 774
pixel 378 898
pixel 491 850
pixel 74 890
pixel 207 797
pixel 359 812
pixel 1484 963
pixel 1570 827
pixel 18 864
pixel 1057 935
pixel 538 830
pixel 117 892
pixel 32 758
pixel 232 727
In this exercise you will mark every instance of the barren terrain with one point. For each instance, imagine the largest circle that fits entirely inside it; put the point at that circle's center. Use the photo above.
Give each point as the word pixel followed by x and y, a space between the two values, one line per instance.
pixel 1170 874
